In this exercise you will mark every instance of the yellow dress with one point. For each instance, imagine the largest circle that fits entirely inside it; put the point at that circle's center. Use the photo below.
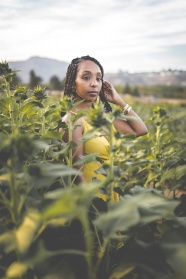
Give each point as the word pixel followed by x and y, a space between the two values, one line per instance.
pixel 99 145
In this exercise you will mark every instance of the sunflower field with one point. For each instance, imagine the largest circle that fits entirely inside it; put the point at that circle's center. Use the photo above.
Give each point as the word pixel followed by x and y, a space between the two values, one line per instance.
pixel 51 228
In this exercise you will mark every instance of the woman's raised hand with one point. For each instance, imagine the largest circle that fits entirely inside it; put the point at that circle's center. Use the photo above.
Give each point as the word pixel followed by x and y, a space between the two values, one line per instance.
pixel 111 94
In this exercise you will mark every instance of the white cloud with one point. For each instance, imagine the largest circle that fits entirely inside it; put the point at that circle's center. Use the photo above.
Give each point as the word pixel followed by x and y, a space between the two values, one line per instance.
pixel 120 33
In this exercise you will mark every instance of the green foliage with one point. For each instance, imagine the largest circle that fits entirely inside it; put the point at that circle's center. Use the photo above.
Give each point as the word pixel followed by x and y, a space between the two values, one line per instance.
pixel 6 72
pixel 164 91
pixel 50 228
pixel 157 91
pixel 34 80
pixel 56 84
pixel 127 89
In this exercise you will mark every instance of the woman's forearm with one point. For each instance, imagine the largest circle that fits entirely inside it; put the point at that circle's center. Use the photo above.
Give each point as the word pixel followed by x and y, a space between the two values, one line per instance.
pixel 137 125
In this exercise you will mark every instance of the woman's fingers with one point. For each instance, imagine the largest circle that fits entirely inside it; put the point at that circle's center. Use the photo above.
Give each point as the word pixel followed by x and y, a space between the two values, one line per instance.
pixel 106 83
pixel 107 86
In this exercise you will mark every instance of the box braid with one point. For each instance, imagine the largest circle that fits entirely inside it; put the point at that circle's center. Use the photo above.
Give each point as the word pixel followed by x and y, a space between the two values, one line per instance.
pixel 71 76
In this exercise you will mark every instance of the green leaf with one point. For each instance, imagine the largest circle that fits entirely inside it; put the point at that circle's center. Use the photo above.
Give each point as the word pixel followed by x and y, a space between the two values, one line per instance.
pixel 91 134
pixel 121 272
pixel 27 230
pixel 43 174
pixel 29 106
pixel 180 171
pixel 70 202
pixel 4 104
pixel 136 210
pixel 174 247
pixel 52 135
pixel 86 159
pixel 69 146
pixel 7 242
pixel 16 270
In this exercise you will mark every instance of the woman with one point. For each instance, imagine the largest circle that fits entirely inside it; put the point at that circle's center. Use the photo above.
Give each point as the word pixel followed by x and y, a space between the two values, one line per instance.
pixel 84 82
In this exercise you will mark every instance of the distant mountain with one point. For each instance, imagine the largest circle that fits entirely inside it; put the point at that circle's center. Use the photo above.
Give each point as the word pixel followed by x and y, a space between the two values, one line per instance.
pixel 43 67
pixel 46 68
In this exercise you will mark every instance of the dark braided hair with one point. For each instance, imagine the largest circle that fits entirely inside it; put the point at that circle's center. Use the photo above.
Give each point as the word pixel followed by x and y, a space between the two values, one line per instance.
pixel 71 76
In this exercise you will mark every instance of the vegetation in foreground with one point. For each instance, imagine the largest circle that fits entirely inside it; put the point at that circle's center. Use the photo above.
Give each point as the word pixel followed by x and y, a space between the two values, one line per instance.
pixel 50 228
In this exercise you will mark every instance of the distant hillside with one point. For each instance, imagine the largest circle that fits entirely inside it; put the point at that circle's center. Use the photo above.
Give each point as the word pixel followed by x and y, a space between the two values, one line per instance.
pixel 165 77
pixel 43 67
pixel 46 68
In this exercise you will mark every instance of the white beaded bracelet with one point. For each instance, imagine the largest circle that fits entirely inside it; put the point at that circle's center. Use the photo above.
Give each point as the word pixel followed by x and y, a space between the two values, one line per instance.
pixel 126 109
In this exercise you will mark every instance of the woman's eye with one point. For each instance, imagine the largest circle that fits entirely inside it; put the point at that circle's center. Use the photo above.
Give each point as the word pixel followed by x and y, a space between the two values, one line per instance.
pixel 86 78
pixel 99 79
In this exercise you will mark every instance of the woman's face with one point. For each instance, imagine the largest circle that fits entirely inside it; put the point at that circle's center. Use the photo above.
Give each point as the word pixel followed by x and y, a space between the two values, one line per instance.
pixel 88 81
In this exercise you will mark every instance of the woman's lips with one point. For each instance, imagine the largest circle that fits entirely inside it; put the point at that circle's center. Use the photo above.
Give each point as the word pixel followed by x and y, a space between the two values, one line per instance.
pixel 93 93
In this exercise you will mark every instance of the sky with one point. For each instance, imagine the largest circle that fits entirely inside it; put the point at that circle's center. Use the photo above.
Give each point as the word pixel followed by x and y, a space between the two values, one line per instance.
pixel 127 35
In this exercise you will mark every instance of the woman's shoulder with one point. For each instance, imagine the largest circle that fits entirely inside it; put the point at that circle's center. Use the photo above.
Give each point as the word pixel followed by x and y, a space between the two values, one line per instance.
pixel 66 117
pixel 77 129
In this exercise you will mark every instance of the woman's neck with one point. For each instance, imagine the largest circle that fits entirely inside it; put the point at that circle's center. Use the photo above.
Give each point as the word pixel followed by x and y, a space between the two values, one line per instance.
pixel 83 106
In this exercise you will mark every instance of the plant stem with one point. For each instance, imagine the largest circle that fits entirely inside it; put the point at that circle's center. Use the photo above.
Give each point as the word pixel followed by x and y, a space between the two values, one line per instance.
pixel 43 123
pixel 70 129
pixel 88 241
pixel 13 199
pixel 157 138
pixel 11 109
pixel 111 163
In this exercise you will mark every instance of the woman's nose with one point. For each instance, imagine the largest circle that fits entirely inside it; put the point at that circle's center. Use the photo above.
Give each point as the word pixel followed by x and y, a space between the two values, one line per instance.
pixel 94 82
